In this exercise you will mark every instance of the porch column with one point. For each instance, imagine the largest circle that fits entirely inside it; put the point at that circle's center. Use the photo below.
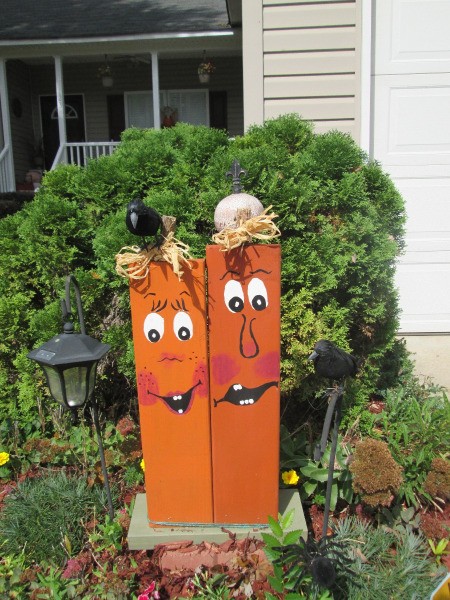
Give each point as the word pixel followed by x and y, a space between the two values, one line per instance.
pixel 61 106
pixel 155 89
pixel 7 177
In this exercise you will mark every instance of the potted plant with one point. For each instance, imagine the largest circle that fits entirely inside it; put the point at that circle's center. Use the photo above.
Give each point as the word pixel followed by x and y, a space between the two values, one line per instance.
pixel 105 74
pixel 205 68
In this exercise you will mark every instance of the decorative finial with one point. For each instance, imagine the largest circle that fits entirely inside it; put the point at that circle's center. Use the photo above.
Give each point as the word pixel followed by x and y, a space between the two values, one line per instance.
pixel 236 173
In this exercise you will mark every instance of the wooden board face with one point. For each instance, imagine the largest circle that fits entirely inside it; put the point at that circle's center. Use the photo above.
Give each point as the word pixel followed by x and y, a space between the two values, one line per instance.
pixel 244 355
pixel 170 342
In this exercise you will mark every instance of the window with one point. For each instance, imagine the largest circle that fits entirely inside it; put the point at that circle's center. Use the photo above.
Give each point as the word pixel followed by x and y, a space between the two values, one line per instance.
pixel 191 107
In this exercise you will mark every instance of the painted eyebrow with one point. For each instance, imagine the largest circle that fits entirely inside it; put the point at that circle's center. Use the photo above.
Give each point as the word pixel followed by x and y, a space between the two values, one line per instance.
pixel 157 306
pixel 226 273
pixel 179 304
pixel 260 271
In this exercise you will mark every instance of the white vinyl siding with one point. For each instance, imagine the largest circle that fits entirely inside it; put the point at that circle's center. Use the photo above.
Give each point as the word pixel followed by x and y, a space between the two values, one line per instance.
pixel 311 55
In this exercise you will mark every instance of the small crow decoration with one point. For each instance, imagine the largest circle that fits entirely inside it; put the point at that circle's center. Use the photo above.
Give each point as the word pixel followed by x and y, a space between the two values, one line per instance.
pixel 332 362
pixel 142 220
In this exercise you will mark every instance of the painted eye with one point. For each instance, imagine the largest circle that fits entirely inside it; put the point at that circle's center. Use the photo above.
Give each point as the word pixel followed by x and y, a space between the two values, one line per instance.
pixel 234 296
pixel 154 327
pixel 182 326
pixel 257 294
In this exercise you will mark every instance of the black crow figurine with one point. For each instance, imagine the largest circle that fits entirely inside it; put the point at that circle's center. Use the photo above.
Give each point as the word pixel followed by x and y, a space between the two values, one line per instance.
pixel 142 220
pixel 332 362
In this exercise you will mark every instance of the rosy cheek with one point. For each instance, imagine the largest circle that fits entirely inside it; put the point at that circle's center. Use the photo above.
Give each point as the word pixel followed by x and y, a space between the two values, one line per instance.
pixel 201 374
pixel 223 368
pixel 147 386
pixel 268 366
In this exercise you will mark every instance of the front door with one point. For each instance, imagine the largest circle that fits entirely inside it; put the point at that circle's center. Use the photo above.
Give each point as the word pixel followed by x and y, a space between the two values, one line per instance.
pixel 75 129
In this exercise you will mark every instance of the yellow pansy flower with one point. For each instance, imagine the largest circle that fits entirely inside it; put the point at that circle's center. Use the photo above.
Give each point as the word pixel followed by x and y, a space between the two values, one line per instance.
pixel 290 477
pixel 4 458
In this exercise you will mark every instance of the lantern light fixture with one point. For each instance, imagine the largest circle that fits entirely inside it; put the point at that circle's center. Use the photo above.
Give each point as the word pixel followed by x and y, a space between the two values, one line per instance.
pixel 69 361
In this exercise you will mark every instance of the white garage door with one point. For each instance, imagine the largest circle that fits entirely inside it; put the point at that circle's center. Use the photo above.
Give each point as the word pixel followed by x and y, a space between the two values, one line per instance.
pixel 411 138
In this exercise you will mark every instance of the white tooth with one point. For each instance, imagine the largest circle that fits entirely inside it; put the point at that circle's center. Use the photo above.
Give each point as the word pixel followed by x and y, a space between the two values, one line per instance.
pixel 237 386
pixel 246 401
pixel 241 402
pixel 250 401
pixel 179 397
pixel 180 411
pixel 175 398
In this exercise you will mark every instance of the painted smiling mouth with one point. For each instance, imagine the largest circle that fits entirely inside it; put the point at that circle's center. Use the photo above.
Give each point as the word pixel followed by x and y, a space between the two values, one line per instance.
pixel 242 396
pixel 179 403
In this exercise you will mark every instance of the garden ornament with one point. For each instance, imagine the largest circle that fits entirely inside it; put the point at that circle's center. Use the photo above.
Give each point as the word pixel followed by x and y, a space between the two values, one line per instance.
pixel 133 262
pixel 335 364
pixel 170 343
pixel 207 352
pixel 332 362
pixel 244 358
pixel 316 558
pixel 142 220
pixel 69 361
pixel 241 218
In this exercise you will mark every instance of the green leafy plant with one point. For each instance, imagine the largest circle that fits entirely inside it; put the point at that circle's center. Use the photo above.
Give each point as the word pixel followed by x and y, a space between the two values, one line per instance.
pixel 107 536
pixel 281 534
pixel 439 549
pixel 51 585
pixel 399 517
pixel 206 585
pixel 415 424
pixel 296 452
pixel 12 568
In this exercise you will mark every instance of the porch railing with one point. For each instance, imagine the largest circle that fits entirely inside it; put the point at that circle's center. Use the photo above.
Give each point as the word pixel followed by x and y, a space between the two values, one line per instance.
pixel 79 153
pixel 6 179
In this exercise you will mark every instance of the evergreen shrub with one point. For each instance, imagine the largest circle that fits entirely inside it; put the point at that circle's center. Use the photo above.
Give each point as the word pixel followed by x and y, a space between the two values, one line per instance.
pixel 341 221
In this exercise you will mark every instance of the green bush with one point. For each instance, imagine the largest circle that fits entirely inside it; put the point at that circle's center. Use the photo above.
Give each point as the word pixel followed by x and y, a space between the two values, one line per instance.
pixel 341 221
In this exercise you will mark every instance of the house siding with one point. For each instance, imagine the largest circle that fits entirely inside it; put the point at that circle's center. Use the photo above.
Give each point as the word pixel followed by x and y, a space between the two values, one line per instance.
pixel 19 89
pixel 311 62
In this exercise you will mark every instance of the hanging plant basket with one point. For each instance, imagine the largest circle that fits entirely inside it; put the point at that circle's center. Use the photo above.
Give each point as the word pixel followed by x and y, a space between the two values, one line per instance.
pixel 205 69
pixel 204 77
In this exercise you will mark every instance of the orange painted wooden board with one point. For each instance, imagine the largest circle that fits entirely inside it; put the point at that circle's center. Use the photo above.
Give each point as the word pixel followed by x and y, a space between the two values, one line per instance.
pixel 170 342
pixel 244 354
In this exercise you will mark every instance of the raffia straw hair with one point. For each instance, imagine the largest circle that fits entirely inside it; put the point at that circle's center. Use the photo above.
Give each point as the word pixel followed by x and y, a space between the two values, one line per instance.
pixel 133 262
pixel 260 227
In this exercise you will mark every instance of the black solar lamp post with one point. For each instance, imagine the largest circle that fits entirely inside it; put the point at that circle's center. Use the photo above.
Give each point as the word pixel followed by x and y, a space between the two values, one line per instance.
pixel 69 361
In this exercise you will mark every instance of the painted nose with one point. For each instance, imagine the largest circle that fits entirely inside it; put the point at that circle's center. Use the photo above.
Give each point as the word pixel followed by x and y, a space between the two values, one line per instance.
pixel 248 346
